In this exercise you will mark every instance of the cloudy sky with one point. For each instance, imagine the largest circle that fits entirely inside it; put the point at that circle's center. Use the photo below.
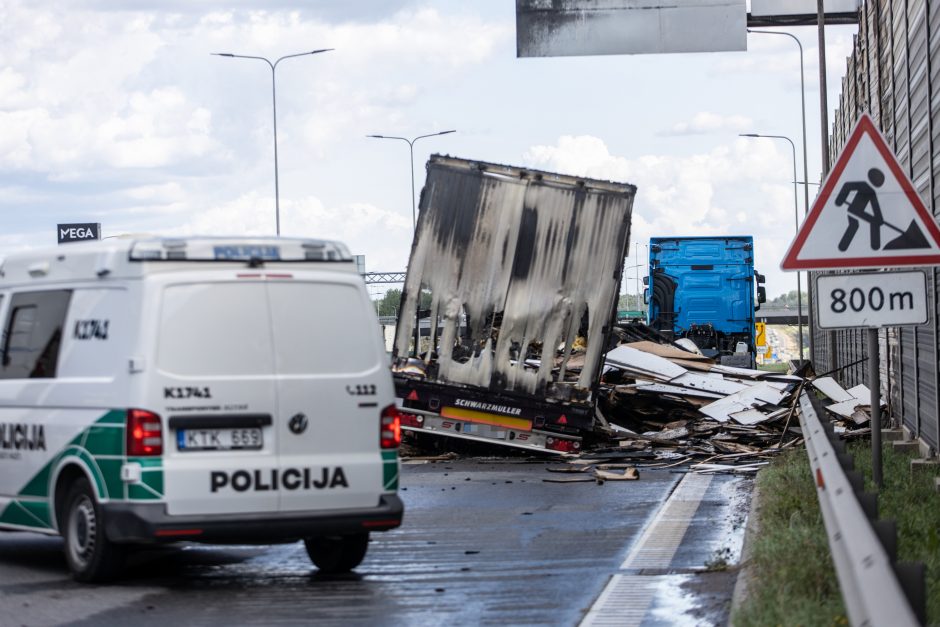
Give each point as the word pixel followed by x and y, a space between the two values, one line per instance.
pixel 115 112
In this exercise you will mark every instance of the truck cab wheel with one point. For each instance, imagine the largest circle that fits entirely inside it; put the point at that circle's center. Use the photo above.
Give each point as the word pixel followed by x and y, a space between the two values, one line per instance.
pixel 90 555
pixel 337 554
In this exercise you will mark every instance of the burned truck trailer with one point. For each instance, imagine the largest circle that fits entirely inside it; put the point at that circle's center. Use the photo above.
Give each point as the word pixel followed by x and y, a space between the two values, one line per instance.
pixel 509 303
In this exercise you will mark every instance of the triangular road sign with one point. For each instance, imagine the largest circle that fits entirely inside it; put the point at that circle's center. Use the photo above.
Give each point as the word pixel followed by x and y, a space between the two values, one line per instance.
pixel 867 214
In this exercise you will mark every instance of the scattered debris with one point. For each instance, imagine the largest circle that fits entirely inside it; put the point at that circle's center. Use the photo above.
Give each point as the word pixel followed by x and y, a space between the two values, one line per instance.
pixel 681 408
pixel 627 474
pixel 833 391
pixel 849 406
pixel 573 479
pixel 663 406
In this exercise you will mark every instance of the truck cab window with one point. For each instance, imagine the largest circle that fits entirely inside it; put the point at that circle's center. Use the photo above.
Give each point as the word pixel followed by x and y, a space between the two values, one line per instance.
pixel 33 334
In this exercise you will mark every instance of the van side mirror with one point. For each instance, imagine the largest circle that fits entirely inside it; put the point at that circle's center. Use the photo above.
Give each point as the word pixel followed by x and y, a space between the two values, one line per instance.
pixel 646 281
pixel 646 296
pixel 760 278
pixel 761 296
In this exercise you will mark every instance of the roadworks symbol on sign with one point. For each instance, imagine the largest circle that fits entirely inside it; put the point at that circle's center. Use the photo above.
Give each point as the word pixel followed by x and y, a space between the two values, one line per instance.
pixel 867 214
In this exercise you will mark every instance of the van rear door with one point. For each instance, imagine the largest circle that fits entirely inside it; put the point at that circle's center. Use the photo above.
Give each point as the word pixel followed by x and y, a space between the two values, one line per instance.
pixel 215 387
pixel 333 381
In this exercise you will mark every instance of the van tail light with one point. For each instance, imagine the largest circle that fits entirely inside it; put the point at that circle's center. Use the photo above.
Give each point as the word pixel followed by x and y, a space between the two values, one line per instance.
pixel 144 433
pixel 390 434
pixel 563 445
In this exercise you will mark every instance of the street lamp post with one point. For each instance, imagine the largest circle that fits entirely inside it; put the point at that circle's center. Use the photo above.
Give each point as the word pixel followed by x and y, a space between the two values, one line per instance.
pixel 414 220
pixel 411 151
pixel 273 66
pixel 809 286
pixel 796 220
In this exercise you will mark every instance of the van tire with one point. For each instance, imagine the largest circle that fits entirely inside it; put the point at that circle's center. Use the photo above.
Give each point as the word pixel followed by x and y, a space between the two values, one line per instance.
pixel 337 554
pixel 90 555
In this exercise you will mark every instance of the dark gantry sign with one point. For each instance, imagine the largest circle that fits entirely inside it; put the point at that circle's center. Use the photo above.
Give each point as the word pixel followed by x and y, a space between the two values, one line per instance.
pixel 78 232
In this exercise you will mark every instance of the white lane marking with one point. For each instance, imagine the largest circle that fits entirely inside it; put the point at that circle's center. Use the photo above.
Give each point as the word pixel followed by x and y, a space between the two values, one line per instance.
pixel 662 537
pixel 623 602
pixel 627 598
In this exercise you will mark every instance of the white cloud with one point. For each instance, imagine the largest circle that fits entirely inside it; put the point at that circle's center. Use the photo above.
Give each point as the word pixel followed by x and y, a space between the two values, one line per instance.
pixel 739 189
pixel 705 123
pixel 119 91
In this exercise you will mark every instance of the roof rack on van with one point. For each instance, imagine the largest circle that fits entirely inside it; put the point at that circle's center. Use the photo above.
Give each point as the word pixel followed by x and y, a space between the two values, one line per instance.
pixel 252 250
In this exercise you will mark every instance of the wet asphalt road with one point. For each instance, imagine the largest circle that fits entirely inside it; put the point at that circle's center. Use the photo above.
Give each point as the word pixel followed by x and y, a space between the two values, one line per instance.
pixel 484 542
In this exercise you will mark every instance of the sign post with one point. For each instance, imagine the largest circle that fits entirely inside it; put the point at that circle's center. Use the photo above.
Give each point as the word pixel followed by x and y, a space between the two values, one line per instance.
pixel 868 215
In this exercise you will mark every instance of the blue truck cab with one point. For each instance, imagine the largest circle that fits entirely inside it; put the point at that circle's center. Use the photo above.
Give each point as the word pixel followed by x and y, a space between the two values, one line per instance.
pixel 706 289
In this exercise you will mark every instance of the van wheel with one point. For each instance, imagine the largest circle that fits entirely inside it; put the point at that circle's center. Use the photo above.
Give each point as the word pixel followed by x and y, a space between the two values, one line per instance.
pixel 89 553
pixel 337 554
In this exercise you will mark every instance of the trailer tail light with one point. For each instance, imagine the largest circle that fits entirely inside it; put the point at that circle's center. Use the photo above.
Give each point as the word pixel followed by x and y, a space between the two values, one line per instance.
pixel 390 430
pixel 411 420
pixel 563 445
pixel 144 434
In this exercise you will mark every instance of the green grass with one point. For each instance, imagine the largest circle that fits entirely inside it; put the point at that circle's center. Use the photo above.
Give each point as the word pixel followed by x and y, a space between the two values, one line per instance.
pixel 792 580
pixel 780 367
pixel 912 501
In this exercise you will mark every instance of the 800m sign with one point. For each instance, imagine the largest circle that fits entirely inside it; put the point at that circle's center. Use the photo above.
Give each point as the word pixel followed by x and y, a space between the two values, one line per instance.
pixel 872 299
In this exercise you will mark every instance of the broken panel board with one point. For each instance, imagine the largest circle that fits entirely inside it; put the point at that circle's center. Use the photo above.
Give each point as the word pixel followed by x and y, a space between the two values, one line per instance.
pixel 829 387
pixel 511 263
pixel 755 396
pixel 708 383
pixel 638 361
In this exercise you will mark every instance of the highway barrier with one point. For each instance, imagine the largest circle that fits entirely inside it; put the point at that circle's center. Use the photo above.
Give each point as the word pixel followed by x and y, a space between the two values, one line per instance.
pixel 877 590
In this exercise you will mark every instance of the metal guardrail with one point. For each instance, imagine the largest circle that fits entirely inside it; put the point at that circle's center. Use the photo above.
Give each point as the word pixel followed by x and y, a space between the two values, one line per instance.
pixel 876 589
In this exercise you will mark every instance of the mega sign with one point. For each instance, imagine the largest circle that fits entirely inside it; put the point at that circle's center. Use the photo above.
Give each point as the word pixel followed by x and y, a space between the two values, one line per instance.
pixel 78 232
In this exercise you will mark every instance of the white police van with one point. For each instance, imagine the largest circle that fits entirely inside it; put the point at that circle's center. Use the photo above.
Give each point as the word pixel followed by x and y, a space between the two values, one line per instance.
pixel 198 389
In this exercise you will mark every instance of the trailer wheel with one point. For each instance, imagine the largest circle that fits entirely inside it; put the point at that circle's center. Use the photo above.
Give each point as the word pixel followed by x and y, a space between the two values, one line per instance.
pixel 337 554
pixel 90 555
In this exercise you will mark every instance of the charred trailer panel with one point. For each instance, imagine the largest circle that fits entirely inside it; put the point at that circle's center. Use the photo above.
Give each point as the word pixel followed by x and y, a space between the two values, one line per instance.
pixel 511 294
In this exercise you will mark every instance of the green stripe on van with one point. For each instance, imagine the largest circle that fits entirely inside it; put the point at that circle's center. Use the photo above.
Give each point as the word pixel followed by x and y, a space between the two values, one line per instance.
pixel 390 471
pixel 26 515
pixel 101 448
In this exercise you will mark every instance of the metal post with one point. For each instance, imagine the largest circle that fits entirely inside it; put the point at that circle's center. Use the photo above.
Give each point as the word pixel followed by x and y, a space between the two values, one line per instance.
pixel 809 283
pixel 414 220
pixel 414 232
pixel 824 131
pixel 273 66
pixel 874 382
pixel 277 189
pixel 799 289
pixel 796 218
pixel 636 273
pixel 414 215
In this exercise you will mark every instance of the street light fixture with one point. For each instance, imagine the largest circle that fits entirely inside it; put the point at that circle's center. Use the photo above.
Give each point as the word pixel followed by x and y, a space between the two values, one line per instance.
pixel 273 66
pixel 411 149
pixel 796 219
pixel 806 183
